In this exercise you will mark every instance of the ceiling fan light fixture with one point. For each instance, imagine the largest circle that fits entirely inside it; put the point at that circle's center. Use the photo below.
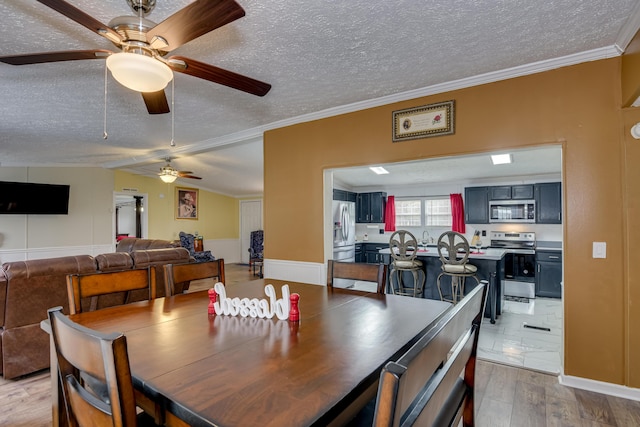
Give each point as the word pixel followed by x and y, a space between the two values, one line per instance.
pixel 168 174
pixel 168 178
pixel 139 72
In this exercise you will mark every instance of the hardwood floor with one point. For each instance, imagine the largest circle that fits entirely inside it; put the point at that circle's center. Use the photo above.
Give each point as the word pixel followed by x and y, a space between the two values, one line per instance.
pixel 505 395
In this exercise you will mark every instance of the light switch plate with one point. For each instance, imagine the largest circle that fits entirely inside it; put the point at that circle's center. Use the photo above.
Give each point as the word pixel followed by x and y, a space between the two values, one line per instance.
pixel 599 249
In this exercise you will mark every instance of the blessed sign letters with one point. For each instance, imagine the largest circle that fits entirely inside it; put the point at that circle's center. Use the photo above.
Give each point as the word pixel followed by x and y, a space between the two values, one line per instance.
pixel 253 307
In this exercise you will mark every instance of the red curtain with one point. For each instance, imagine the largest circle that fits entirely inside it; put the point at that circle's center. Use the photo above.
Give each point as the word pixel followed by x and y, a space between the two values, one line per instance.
pixel 390 214
pixel 457 212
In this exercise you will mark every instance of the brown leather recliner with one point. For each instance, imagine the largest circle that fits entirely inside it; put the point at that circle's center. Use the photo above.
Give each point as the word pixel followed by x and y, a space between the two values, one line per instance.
pixel 29 288
pixel 130 244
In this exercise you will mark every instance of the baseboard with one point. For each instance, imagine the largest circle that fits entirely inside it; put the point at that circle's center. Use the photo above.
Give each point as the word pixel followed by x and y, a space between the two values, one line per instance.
pixel 600 387
pixel 295 271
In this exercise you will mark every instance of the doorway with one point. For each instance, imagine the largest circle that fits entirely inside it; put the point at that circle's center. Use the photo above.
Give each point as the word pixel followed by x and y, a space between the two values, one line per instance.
pixel 529 332
pixel 250 220
pixel 130 215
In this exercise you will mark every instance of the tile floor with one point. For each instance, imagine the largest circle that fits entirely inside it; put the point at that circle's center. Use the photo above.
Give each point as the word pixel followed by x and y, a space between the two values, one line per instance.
pixel 509 342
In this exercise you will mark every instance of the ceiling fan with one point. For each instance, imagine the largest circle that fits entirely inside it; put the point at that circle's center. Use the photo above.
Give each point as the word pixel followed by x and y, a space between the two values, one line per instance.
pixel 169 174
pixel 141 65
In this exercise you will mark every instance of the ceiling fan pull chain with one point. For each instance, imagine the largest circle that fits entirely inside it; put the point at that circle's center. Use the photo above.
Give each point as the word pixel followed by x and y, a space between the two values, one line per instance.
pixel 173 111
pixel 104 133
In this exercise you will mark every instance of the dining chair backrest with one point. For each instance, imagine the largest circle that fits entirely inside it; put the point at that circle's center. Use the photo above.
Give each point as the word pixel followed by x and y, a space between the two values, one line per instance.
pixel 82 352
pixel 424 386
pixel 84 290
pixel 176 274
pixel 376 273
pixel 453 248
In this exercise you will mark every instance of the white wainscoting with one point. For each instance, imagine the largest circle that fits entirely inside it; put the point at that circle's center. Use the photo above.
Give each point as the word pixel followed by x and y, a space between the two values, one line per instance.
pixel 295 271
pixel 10 255
pixel 228 249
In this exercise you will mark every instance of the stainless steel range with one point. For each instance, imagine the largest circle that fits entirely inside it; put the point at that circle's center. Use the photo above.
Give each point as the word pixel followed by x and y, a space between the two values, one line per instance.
pixel 520 262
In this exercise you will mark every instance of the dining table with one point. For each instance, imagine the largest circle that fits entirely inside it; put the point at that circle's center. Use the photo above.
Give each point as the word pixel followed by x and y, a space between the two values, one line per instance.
pixel 203 369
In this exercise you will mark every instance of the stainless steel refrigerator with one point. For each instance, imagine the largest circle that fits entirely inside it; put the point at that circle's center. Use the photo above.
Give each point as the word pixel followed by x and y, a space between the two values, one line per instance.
pixel 344 231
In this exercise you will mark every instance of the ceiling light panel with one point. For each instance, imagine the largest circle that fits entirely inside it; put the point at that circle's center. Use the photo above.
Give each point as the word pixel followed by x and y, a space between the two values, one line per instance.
pixel 501 159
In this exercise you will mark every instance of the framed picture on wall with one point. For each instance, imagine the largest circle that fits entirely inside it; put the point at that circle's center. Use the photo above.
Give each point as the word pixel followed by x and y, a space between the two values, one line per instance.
pixel 186 203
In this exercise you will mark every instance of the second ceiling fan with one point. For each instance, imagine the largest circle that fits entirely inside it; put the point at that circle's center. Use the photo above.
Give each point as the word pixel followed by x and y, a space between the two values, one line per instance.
pixel 141 65
pixel 169 174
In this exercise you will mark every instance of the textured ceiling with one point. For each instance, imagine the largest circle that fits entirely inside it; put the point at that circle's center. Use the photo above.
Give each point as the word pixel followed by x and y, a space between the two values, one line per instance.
pixel 317 55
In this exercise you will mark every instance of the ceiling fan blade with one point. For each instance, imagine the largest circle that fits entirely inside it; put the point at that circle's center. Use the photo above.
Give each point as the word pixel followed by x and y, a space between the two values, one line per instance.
pixel 220 76
pixel 156 102
pixel 83 19
pixel 189 176
pixel 39 58
pixel 184 173
pixel 194 20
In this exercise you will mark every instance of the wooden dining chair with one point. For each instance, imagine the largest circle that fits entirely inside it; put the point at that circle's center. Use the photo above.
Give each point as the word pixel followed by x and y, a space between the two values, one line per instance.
pixel 376 273
pixel 425 386
pixel 84 353
pixel 84 290
pixel 178 276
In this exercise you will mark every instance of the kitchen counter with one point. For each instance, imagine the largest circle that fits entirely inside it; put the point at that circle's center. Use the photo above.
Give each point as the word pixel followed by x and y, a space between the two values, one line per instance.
pixel 542 245
pixel 490 264
pixel 432 251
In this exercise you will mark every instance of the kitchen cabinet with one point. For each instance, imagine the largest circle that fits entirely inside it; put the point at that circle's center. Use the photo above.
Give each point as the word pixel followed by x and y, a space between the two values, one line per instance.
pixel 549 274
pixel 502 192
pixel 548 198
pixel 511 192
pixel 370 207
pixel 372 252
pixel 476 205
pixel 522 192
pixel 359 253
pixel 343 195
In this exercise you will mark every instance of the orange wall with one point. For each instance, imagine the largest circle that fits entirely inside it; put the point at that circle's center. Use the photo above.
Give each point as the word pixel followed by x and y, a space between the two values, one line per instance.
pixel 576 106
pixel 630 72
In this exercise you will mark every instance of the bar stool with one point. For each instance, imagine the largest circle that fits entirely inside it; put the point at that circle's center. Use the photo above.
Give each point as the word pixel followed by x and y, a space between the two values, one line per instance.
pixel 404 246
pixel 451 245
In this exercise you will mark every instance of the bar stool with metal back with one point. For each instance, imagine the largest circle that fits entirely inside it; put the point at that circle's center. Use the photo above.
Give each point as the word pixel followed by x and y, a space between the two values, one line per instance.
pixel 404 246
pixel 453 249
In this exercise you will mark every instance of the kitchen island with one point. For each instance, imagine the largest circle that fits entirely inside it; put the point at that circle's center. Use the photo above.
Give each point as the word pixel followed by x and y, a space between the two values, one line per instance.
pixel 490 264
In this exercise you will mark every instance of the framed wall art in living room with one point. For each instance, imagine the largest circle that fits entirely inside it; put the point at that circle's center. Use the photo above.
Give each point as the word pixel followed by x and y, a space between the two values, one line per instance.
pixel 186 203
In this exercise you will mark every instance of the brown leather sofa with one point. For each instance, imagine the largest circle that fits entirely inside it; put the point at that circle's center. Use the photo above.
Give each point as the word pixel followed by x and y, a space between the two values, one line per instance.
pixel 29 288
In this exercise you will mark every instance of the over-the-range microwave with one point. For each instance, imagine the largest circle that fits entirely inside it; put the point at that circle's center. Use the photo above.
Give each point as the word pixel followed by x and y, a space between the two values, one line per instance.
pixel 512 211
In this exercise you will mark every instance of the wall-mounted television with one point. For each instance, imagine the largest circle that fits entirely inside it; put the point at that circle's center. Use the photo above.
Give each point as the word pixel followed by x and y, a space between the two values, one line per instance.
pixel 22 198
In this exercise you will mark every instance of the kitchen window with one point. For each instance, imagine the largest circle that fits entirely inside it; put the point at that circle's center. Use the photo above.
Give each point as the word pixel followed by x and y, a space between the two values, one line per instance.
pixel 423 212
pixel 408 213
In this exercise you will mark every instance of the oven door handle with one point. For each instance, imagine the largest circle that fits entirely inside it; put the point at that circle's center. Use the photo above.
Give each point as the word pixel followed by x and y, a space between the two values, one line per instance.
pixel 521 251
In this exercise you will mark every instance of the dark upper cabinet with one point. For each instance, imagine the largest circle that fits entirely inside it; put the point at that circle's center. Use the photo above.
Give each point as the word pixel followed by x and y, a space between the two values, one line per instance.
pixel 522 192
pixel 549 274
pixel 476 205
pixel 362 207
pixel 502 192
pixel 345 196
pixel 548 198
pixel 511 192
pixel 370 207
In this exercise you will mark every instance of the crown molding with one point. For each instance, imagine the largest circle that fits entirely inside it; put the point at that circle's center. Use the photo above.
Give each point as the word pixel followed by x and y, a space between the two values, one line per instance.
pixel 256 134
pixel 629 29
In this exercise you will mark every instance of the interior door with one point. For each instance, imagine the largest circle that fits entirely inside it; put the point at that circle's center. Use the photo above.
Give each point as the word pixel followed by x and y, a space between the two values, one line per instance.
pixel 250 220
